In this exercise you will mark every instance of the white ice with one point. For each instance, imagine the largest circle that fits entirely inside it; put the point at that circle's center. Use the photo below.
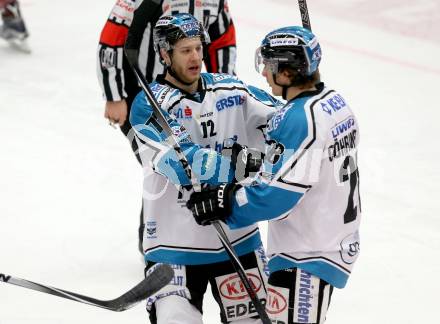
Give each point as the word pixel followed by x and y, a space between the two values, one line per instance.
pixel 71 188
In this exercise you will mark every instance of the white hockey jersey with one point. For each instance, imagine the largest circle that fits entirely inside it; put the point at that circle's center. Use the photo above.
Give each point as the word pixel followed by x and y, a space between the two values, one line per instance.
pixel 223 109
pixel 308 188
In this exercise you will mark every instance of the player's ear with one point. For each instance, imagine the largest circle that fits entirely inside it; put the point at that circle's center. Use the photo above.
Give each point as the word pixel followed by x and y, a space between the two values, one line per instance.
pixel 165 56
pixel 287 73
pixel 285 76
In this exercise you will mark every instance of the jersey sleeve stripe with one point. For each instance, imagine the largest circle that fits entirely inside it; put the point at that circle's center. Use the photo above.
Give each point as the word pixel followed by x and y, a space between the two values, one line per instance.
pixel 224 42
pixel 281 175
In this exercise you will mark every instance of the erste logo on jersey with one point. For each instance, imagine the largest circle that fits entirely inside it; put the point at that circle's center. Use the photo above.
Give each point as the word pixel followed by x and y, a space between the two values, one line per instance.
pixel 230 102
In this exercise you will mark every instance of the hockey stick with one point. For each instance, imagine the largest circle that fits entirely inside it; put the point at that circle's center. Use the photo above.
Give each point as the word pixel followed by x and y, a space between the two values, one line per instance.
pixel 157 279
pixel 131 54
pixel 304 14
pixel 305 19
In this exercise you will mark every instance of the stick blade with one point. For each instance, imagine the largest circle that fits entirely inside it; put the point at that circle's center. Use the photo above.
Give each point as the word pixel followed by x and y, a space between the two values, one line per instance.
pixel 158 278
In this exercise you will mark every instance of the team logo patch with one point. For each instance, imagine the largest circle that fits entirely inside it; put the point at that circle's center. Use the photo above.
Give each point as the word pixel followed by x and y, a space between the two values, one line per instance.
pixel 180 132
pixel 350 248
pixel 277 118
pixel 151 230
pixel 155 87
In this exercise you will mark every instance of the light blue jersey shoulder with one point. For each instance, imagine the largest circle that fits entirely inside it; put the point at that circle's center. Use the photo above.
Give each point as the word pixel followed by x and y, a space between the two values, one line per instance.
pixel 207 165
pixel 216 81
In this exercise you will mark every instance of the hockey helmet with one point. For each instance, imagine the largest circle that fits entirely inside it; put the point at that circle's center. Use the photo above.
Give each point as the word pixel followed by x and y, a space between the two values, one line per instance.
pixel 295 47
pixel 169 29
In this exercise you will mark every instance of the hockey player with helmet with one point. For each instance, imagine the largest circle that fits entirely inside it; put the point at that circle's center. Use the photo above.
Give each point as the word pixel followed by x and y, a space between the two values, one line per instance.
pixel 117 81
pixel 13 29
pixel 308 186
pixel 207 109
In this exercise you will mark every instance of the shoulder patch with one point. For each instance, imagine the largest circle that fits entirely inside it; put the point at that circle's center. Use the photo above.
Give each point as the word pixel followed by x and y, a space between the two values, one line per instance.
pixel 277 118
pixel 215 79
pixel 163 92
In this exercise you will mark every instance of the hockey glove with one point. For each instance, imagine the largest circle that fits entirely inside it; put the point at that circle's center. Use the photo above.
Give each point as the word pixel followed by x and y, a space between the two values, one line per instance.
pixel 244 160
pixel 213 203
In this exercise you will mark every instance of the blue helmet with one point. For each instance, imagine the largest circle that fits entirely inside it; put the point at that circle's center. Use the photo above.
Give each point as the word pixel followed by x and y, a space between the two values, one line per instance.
pixel 294 47
pixel 169 29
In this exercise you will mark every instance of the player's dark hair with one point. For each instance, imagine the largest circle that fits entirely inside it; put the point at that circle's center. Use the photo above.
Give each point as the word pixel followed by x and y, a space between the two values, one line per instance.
pixel 301 80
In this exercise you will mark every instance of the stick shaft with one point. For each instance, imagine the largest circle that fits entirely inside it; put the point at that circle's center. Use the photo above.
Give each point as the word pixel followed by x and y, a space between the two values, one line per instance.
pixel 304 14
pixel 154 282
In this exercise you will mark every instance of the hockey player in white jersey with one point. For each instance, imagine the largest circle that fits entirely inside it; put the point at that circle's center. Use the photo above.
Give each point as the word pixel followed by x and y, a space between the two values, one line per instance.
pixel 308 186
pixel 207 109
pixel 137 19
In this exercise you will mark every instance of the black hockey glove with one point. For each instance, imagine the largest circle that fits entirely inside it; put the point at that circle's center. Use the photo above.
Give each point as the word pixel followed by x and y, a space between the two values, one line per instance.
pixel 213 203
pixel 245 160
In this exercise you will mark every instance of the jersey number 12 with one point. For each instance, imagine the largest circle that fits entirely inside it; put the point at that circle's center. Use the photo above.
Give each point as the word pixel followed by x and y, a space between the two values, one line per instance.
pixel 208 128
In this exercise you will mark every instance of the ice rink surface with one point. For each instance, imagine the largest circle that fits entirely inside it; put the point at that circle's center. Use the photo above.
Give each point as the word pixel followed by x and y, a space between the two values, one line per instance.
pixel 71 188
